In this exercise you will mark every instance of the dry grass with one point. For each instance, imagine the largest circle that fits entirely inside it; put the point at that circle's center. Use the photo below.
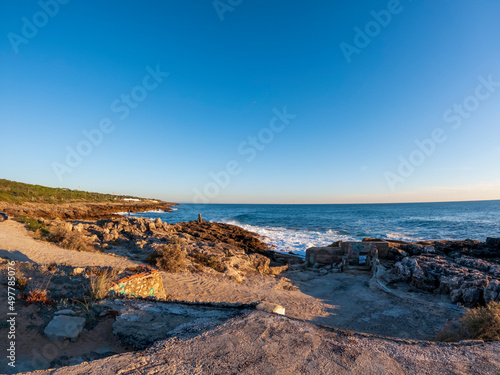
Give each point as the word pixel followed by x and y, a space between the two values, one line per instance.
pixel 71 240
pixel 176 240
pixel 100 282
pixel 208 261
pixel 482 323
pixel 169 258
pixel 38 296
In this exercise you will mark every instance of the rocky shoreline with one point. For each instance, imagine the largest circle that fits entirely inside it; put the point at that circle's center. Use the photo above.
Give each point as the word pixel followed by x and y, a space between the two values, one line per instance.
pixel 208 247
pixel 467 271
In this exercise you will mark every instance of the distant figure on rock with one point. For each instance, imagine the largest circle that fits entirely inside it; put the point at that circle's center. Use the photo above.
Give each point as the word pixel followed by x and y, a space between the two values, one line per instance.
pixel 200 220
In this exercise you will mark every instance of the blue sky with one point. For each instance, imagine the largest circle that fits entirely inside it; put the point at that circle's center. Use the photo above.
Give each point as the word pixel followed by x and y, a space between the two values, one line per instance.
pixel 357 86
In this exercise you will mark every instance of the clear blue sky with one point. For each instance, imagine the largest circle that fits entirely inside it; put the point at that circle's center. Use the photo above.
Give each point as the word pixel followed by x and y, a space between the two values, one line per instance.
pixel 360 101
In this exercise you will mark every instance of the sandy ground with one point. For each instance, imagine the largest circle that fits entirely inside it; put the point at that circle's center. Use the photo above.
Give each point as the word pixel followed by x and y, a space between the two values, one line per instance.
pixel 16 243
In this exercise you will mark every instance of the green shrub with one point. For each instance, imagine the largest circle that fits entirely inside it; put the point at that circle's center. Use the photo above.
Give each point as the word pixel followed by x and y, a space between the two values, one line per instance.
pixel 21 283
pixel 208 261
pixel 176 240
pixel 482 323
pixel 169 258
pixel 71 240
pixel 33 225
pixel 17 192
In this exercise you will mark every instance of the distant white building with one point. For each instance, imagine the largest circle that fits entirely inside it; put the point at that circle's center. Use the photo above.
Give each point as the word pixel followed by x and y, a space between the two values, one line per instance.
pixel 131 199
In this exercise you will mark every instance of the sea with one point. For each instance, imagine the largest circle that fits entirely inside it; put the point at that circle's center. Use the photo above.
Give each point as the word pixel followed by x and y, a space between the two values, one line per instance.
pixel 296 227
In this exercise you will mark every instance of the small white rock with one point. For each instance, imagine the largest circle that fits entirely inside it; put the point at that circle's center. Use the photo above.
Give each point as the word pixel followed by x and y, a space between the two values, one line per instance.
pixel 271 308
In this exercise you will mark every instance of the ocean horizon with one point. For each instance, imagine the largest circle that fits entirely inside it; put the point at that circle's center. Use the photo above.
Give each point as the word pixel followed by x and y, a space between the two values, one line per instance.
pixel 296 227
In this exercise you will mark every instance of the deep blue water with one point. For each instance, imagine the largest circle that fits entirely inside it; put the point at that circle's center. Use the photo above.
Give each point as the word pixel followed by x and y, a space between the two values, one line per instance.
pixel 296 227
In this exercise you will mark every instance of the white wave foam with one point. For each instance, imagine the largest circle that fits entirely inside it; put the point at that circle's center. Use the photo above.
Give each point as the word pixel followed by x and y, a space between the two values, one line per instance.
pixel 297 241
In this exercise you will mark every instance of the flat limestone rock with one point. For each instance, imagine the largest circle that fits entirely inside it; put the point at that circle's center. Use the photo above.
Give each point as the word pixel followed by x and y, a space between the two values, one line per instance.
pixel 64 327
pixel 271 308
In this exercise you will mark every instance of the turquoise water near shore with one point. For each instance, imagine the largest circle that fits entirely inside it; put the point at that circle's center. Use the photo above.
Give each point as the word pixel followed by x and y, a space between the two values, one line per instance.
pixel 297 227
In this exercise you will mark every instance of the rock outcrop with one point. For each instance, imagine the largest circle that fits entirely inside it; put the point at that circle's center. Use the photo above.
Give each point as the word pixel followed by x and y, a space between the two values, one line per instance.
pixel 469 271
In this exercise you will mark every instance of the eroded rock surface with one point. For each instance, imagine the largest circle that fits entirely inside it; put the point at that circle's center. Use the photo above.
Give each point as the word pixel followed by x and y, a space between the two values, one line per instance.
pixel 140 324
pixel 469 271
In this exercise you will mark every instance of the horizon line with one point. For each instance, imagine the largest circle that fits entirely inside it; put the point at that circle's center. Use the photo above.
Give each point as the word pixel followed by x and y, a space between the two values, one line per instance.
pixel 312 204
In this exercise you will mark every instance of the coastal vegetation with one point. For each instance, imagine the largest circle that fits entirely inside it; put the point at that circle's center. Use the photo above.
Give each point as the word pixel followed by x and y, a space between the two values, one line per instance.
pixel 168 257
pixel 36 201
pixel 481 323
pixel 18 192
pixel 60 235
pixel 34 225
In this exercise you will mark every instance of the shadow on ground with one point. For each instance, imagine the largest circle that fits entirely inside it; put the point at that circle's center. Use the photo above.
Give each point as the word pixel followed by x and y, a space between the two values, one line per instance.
pixel 353 302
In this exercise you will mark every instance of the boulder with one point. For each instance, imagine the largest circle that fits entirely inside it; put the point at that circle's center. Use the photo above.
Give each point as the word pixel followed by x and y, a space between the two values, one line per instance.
pixel 492 291
pixel 232 274
pixel 456 295
pixel 471 296
pixel 477 264
pixel 260 262
pixel 396 253
pixel 271 308
pixel 78 270
pixel 64 327
pixel 78 227
pixel 449 283
pixel 493 242
pixel 336 244
pixel 277 270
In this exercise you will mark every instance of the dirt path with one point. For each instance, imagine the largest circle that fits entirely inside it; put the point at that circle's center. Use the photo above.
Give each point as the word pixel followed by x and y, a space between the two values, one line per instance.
pixel 17 244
